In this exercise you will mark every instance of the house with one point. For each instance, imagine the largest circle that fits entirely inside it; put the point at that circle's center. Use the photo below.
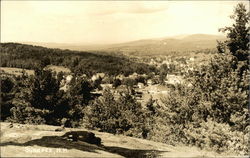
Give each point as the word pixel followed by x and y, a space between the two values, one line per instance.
pixel 106 86
pixel 173 79
pixel 83 76
pixel 120 77
pixel 152 89
pixel 64 87
pixel 149 82
pixel 97 75
pixel 138 95
pixel 64 84
pixel 135 86
pixel 69 78
pixel 121 88
pixel 133 76
pixel 140 85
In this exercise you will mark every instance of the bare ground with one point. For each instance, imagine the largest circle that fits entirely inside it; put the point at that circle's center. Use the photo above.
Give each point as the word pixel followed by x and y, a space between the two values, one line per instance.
pixel 43 141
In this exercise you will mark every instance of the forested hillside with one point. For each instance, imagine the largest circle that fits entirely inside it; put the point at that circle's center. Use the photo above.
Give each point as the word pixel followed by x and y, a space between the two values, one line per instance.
pixel 177 45
pixel 28 57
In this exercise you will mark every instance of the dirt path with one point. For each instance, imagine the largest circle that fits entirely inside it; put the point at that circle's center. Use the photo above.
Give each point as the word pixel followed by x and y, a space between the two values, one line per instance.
pixel 43 141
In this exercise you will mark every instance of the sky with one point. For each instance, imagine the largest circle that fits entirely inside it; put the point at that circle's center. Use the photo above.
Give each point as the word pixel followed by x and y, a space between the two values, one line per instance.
pixel 103 22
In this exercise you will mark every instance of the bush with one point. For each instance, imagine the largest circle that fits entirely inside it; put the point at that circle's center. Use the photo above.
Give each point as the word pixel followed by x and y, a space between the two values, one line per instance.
pixel 27 114
pixel 217 136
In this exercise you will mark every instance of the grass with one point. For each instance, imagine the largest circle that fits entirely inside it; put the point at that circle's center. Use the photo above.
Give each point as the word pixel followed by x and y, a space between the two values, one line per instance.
pixel 15 71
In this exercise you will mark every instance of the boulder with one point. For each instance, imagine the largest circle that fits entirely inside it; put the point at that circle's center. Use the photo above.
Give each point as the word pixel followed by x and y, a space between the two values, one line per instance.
pixel 84 136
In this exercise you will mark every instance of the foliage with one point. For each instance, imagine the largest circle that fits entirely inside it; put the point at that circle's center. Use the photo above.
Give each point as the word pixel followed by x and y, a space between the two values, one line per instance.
pixel 217 136
pixel 80 90
pixel 129 82
pixel 238 33
pixel 37 99
pixel 7 94
pixel 116 83
pixel 213 112
pixel 123 115
pixel 89 63
pixel 22 110
pixel 163 73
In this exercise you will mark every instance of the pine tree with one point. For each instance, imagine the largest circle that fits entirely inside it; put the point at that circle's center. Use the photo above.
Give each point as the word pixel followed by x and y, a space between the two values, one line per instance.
pixel 7 95
pixel 238 33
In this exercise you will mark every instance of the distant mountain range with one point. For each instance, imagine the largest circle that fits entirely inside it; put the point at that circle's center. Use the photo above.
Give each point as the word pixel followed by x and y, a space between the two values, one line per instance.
pixel 155 46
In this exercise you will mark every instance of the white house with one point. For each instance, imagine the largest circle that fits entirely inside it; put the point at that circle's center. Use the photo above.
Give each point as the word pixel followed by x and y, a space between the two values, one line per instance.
pixel 174 79
pixel 106 86
pixel 149 82
pixel 97 75
pixel 69 78
pixel 140 85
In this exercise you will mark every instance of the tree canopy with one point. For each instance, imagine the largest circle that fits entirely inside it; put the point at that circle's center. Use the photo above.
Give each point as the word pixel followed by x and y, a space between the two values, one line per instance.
pixel 238 33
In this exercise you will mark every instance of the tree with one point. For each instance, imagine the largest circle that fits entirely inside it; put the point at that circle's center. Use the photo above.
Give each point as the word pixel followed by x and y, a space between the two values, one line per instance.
pixel 218 96
pixel 163 73
pixel 141 79
pixel 103 113
pixel 80 90
pixel 79 96
pixel 238 41
pixel 7 95
pixel 237 34
pixel 129 82
pixel 22 110
pixel 44 90
pixel 121 115
pixel 38 99
pixel 44 62
pixel 97 83
pixel 117 82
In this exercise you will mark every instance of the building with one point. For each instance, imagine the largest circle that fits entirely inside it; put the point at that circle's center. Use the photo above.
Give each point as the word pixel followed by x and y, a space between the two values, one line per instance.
pixel 140 85
pixel 174 79
pixel 106 86
pixel 69 78
pixel 97 75
pixel 149 82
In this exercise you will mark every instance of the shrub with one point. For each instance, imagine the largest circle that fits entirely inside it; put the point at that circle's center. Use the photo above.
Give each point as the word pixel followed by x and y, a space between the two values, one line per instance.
pixel 217 136
pixel 27 114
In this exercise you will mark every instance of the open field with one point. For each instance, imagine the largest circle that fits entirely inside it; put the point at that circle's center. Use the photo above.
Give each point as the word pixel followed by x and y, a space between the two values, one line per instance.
pixel 18 71
pixel 15 71
pixel 58 69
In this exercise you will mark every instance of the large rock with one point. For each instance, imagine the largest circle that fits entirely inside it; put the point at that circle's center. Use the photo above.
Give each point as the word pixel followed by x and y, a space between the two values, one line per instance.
pixel 84 136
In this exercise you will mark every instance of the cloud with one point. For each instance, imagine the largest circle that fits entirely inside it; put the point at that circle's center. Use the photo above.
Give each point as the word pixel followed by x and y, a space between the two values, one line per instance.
pixel 146 10
pixel 109 21
pixel 129 8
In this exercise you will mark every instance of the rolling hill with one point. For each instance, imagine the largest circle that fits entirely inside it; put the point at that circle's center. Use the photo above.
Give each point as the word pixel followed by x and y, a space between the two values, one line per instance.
pixel 157 46
pixel 25 56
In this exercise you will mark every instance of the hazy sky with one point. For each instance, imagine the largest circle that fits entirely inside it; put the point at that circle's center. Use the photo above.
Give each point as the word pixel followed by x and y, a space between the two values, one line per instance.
pixel 109 21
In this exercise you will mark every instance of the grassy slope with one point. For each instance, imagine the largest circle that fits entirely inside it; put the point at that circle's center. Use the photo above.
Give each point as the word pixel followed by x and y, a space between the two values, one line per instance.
pixel 20 140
